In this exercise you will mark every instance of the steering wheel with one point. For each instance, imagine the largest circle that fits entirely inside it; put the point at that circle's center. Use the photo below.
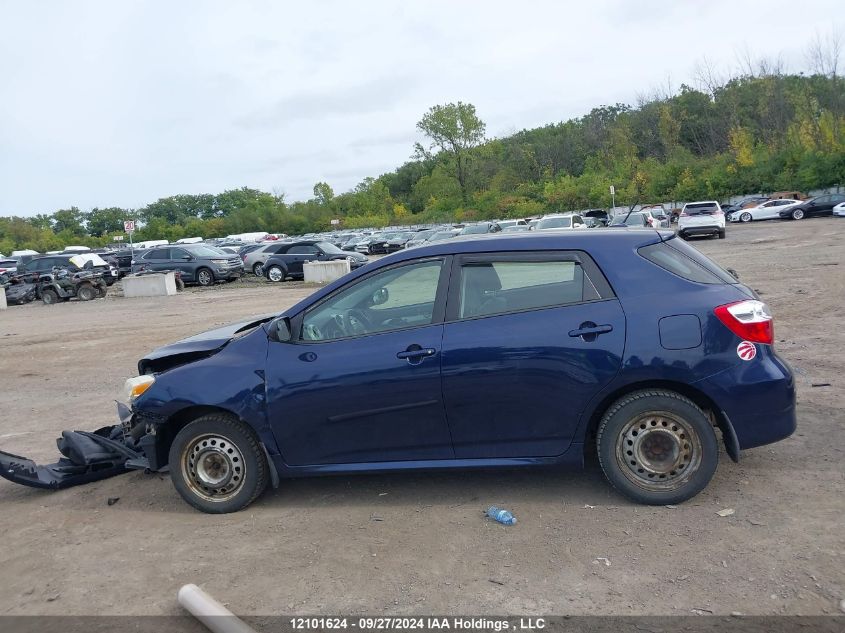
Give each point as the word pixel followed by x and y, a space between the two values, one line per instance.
pixel 356 322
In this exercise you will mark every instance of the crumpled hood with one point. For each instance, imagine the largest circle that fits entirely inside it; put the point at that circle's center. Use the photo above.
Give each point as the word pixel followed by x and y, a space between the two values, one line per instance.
pixel 197 346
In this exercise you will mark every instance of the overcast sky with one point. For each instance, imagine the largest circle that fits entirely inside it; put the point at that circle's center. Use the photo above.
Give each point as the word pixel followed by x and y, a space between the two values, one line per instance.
pixel 119 103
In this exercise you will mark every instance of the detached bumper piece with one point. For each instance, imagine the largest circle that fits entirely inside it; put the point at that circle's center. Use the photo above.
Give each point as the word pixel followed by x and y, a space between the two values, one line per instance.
pixel 86 457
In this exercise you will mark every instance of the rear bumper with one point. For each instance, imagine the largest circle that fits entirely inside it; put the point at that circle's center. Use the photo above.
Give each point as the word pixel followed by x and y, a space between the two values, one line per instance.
pixel 701 230
pixel 758 398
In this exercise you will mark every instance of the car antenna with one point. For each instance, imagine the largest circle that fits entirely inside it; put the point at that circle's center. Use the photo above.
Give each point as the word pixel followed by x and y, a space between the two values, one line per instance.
pixel 630 209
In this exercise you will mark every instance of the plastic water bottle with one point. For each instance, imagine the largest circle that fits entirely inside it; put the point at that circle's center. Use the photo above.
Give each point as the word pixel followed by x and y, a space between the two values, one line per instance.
pixel 501 515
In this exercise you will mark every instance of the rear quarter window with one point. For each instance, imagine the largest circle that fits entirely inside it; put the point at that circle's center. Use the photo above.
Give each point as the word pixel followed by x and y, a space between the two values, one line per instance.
pixel 685 261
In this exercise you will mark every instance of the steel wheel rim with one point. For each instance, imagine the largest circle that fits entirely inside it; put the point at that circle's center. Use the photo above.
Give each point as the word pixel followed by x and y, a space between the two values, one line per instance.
pixel 213 467
pixel 275 274
pixel 658 451
pixel 258 269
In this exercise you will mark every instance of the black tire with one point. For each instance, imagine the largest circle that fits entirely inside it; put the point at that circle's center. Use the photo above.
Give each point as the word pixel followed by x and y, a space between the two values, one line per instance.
pixel 205 277
pixel 86 292
pixel 745 216
pixel 639 428
pixel 218 445
pixel 797 214
pixel 49 297
pixel 258 269
pixel 102 291
pixel 275 273
pixel 682 236
pixel 722 234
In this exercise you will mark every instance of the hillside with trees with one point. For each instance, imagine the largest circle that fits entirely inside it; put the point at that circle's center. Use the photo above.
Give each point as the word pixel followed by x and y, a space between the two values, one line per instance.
pixel 762 131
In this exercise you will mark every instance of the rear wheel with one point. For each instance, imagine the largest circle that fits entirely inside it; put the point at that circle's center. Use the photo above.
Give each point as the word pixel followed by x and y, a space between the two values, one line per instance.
pixel 798 214
pixel 657 447
pixel 217 464
pixel 275 273
pixel 258 269
pixel 205 277
pixel 49 297
pixel 745 217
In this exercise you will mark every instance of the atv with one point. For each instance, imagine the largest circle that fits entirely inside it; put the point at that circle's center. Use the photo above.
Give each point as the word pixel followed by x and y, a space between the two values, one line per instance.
pixel 85 285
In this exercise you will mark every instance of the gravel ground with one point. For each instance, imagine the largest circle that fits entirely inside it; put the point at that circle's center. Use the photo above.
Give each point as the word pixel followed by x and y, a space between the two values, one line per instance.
pixel 417 543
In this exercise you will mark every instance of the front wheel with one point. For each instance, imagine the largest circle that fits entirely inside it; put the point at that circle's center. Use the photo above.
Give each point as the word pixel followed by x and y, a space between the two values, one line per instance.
pixel 745 217
pixel 657 447
pixel 49 297
pixel 798 214
pixel 205 277
pixel 217 464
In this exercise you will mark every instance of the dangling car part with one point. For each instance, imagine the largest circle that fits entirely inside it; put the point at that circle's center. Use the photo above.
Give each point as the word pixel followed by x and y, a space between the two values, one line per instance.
pixel 17 291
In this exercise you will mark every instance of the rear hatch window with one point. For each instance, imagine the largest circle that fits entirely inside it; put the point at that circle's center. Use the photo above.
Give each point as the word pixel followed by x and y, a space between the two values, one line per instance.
pixel 683 260
pixel 701 209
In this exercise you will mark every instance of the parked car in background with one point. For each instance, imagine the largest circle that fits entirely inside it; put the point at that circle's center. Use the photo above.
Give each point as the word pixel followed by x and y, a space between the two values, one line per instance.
pixel 788 195
pixel 643 374
pixel 599 215
pixel 752 201
pixel 479 228
pixel 839 210
pixel 197 263
pixel 560 221
pixel 445 234
pixel 503 224
pixel 420 238
pixel 820 205
pixel 37 266
pixel 374 244
pixel 8 266
pixel 769 210
pixel 254 259
pixel 399 240
pixel 289 260
pixel 658 216
pixel 701 218
pixel 635 219
pixel 351 244
pixel 516 228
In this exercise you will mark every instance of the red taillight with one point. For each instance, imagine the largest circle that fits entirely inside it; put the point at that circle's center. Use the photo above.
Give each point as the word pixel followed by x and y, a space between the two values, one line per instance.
pixel 750 320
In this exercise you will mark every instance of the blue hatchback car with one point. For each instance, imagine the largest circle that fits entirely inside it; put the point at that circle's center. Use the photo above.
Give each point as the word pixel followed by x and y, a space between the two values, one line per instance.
pixel 499 350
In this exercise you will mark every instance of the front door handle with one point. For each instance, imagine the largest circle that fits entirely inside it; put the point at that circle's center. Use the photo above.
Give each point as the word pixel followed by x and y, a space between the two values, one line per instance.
pixel 416 353
pixel 589 330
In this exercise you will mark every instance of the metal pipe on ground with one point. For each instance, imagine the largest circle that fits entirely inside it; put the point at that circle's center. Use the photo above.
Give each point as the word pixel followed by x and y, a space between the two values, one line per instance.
pixel 211 613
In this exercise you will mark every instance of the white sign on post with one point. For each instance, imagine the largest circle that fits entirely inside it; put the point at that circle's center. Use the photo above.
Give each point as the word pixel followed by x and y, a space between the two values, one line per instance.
pixel 129 225
pixel 612 190
pixel 335 222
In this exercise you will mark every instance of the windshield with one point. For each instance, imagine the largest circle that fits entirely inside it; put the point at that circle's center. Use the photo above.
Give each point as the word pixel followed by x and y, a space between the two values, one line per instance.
pixel 441 235
pixel 475 228
pixel 555 223
pixel 205 251
pixel 423 235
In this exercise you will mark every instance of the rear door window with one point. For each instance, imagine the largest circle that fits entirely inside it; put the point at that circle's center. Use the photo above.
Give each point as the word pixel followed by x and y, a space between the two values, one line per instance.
pixel 158 253
pixel 502 284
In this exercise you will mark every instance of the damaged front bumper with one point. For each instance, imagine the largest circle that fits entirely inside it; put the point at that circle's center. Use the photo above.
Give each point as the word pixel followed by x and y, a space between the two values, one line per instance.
pixel 86 457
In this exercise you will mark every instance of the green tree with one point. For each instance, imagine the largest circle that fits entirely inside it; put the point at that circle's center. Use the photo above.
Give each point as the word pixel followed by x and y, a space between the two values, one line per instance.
pixel 455 129
pixel 323 193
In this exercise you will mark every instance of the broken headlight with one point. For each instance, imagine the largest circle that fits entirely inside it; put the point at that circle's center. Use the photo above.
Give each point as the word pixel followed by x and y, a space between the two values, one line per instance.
pixel 134 387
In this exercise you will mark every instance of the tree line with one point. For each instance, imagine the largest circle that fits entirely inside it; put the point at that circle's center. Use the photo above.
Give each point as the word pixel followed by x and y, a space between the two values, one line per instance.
pixel 762 130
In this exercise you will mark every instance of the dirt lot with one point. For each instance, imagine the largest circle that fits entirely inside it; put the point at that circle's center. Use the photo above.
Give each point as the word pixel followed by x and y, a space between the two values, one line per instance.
pixel 417 543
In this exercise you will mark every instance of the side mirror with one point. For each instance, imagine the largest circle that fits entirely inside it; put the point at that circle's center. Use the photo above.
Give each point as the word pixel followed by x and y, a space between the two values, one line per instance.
pixel 187 258
pixel 280 330
pixel 380 296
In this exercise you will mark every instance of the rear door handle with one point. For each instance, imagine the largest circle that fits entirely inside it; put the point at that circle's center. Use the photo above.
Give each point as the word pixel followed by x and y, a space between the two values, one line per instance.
pixel 589 331
pixel 417 353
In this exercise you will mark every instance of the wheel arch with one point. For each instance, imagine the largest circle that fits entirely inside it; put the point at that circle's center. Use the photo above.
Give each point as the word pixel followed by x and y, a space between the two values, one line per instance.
pixel 167 430
pixel 718 417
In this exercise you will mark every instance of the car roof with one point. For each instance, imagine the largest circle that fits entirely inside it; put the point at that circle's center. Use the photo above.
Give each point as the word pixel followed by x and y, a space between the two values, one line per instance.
pixel 530 241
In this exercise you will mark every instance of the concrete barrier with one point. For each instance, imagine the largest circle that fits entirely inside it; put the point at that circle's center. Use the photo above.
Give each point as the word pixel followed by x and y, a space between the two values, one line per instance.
pixel 2 299
pixel 159 285
pixel 324 272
